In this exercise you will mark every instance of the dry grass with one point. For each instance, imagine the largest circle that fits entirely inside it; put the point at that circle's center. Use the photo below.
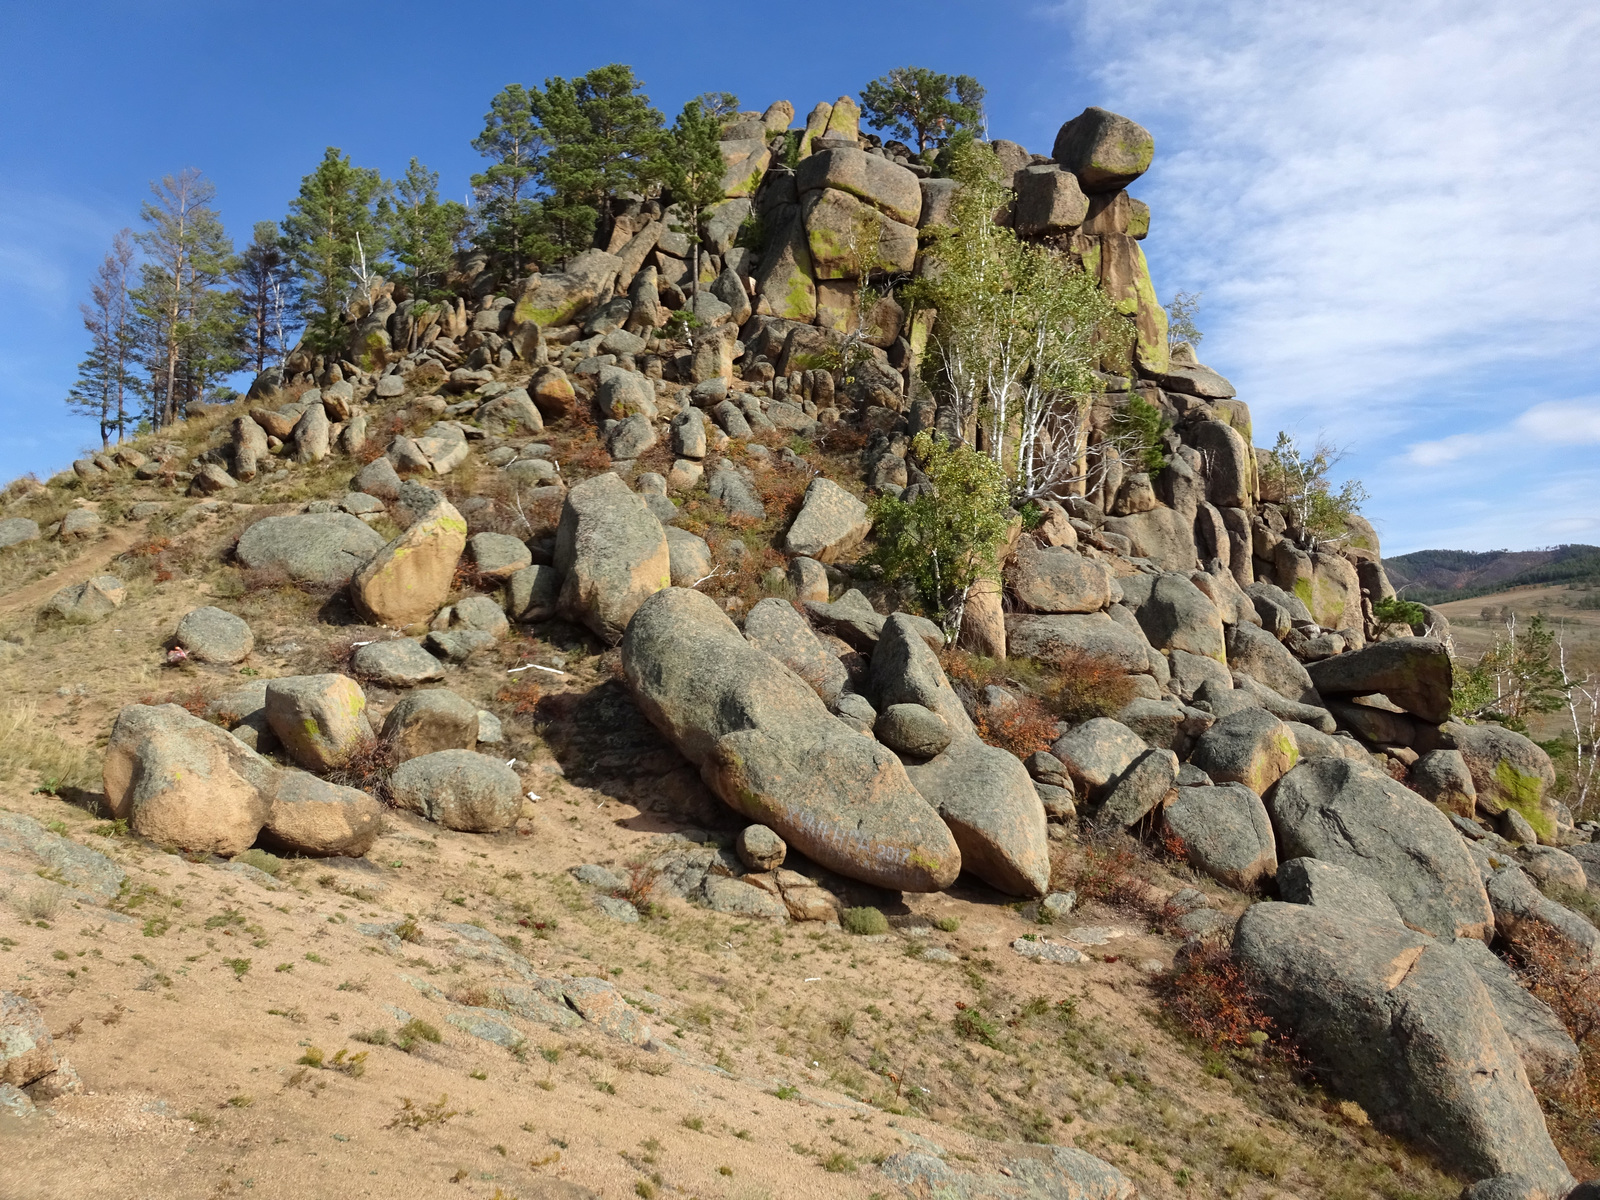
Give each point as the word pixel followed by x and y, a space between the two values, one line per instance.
pixel 27 744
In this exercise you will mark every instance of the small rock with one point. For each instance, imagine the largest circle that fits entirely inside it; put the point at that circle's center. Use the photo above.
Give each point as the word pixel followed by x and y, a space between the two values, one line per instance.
pixel 214 636
pixel 1048 951
pixel 760 849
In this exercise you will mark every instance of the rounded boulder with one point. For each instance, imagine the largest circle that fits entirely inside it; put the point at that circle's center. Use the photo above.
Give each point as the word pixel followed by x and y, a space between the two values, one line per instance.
pixel 460 790
pixel 213 635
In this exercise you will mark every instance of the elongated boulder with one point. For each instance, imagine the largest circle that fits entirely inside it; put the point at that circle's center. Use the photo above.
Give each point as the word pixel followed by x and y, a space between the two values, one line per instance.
pixel 181 781
pixel 885 185
pixel 556 297
pixel 314 817
pixel 1255 652
pixel 1355 816
pixel 1077 639
pixel 984 794
pixel 611 554
pixel 1413 672
pixel 841 231
pixel 1053 579
pixel 1407 1030
pixel 408 580
pixel 769 748
pixel 830 523
pixel 317 548
pixel 776 628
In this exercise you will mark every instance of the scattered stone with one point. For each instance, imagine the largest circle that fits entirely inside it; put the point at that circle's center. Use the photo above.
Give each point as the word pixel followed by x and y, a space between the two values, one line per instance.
pixel 460 790
pixel 396 663
pixel 498 555
pixel 407 580
pixel 831 522
pixel 314 817
pixel 1048 951
pixel 16 530
pixel 214 636
pixel 760 849
pixel 318 548
pixel 429 721
pixel 90 601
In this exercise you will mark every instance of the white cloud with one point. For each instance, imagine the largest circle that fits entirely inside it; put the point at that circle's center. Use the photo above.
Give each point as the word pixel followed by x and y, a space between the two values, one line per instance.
pixel 1553 423
pixel 1389 209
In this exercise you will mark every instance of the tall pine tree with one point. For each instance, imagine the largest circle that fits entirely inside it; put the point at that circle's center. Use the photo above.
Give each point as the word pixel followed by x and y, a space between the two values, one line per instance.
pixel 422 230
pixel 331 230
pixel 264 289
pixel 188 329
pixel 690 162
pixel 508 191
pixel 106 380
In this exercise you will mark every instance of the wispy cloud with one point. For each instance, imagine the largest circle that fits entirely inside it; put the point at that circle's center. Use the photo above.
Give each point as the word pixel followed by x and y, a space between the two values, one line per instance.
pixel 1389 208
pixel 1565 423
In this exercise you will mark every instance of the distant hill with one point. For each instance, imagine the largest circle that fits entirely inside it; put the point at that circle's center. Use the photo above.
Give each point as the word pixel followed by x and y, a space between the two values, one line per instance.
pixel 1435 576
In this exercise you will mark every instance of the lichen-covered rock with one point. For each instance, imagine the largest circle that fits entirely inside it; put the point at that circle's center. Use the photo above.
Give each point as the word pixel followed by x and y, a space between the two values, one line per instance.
pixel 769 748
pixel 1049 201
pixel 834 223
pixel 1250 746
pixel 611 554
pixel 407 580
pixel 1253 651
pixel 1353 815
pixel 314 817
pixel 181 781
pixel 1406 1029
pixel 320 719
pixel 1442 776
pixel 774 627
pixel 885 185
pixel 27 1052
pixel 1507 771
pixel 1176 615
pixel 460 790
pixel 1053 579
pixel 396 662
pixel 511 414
pixel 555 297
pixel 1105 151
pixel 498 555
pixel 759 848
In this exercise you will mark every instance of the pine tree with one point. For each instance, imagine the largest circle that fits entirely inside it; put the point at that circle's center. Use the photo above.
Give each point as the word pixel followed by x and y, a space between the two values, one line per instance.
pixel 605 139
pixel 264 286
pixel 690 162
pixel 105 378
pixel 423 231
pixel 507 192
pixel 916 103
pixel 332 233
pixel 187 328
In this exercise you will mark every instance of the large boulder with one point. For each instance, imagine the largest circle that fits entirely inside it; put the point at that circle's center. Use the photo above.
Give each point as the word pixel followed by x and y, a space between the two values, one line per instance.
pixel 460 790
pixel 1105 151
pixel 1443 777
pixel 884 184
pixel 1225 833
pixel 429 721
pixel 1096 754
pixel 1049 201
pixel 1250 746
pixel 1522 913
pixel 181 781
pixel 830 522
pixel 320 719
pixel 1071 640
pixel 611 554
pixel 511 414
pixel 1176 615
pixel 841 230
pixel 214 635
pixel 983 793
pixel 1146 785
pixel 1406 1029
pixel 768 747
pixel 555 297
pixel 314 817
pixel 1413 672
pixel 407 580
pixel 1253 651
pixel 1353 815
pixel 1507 771
pixel 317 548
pixel 1053 579
pixel 776 628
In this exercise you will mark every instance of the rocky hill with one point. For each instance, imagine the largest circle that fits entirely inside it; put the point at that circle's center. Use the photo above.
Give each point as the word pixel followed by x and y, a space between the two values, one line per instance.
pixel 1436 576
pixel 498 754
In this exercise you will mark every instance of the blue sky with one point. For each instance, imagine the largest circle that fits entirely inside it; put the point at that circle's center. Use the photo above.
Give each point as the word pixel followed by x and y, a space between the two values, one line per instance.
pixel 1392 211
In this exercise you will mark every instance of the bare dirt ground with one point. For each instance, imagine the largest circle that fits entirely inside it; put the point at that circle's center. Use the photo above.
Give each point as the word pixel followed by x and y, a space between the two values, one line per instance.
pixel 789 1061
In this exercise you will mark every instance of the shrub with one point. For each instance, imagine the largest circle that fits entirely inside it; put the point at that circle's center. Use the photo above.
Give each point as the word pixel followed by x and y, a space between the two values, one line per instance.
pixel 1213 996
pixel 271 864
pixel 1300 483
pixel 864 921
pixel 1021 728
pixel 1139 425
pixel 1108 873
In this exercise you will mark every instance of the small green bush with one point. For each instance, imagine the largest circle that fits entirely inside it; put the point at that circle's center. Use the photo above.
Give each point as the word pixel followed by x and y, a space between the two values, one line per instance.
pixel 864 921
pixel 261 861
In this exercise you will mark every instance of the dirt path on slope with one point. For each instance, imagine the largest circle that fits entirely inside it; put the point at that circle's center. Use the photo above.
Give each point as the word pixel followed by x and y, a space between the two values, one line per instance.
pixel 90 563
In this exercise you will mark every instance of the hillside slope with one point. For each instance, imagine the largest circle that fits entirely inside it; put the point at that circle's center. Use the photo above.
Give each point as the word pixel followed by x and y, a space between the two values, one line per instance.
pixel 1436 576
